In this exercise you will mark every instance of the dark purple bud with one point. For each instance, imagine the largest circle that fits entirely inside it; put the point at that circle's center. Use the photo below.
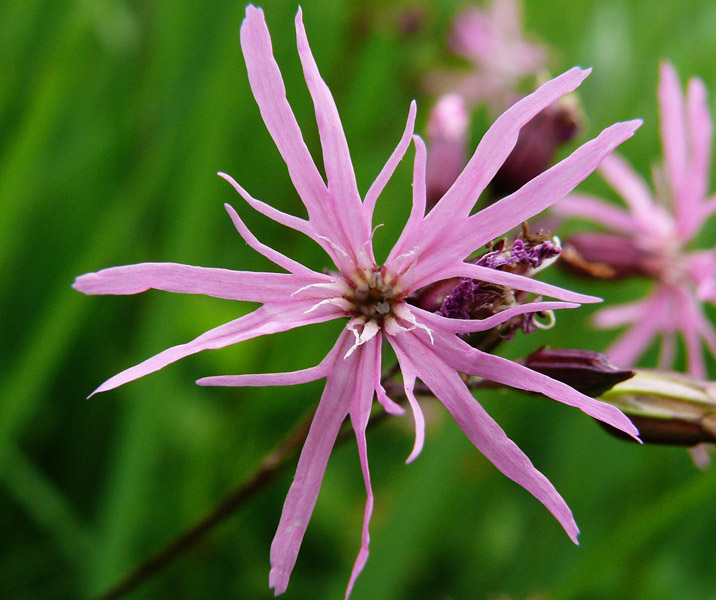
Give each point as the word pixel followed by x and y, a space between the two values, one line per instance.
pixel 586 371
pixel 537 144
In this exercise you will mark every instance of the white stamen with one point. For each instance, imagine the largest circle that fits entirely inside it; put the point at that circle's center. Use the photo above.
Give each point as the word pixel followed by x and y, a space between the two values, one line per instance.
pixel 339 286
pixel 402 311
pixel 340 302
pixel 333 245
pixel 369 331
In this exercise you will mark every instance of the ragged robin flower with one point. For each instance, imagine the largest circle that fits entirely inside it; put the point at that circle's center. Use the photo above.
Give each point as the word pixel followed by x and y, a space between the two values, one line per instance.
pixel 652 237
pixel 371 295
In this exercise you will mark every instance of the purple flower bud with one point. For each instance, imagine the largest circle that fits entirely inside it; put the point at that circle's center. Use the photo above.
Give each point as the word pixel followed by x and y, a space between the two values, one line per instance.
pixel 537 144
pixel 589 372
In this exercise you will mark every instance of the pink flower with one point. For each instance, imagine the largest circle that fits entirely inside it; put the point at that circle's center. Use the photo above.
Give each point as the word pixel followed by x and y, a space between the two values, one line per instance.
pixel 492 40
pixel 651 237
pixel 372 296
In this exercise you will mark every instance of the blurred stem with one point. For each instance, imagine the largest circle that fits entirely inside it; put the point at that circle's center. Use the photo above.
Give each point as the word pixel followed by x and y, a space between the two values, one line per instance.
pixel 268 470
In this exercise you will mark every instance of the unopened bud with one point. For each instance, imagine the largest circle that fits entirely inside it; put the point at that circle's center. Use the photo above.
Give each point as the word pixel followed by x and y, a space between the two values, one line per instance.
pixel 537 144
pixel 667 408
pixel 447 145
pixel 586 371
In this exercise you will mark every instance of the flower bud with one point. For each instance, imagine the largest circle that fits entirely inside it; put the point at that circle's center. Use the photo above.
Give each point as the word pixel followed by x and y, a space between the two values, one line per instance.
pixel 586 371
pixel 537 144
pixel 667 408
pixel 447 145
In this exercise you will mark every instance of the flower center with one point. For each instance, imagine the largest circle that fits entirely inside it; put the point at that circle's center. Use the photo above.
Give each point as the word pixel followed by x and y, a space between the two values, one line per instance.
pixel 373 296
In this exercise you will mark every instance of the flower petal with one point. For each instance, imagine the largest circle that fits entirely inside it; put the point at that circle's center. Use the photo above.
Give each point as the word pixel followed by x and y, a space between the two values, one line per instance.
pixel 673 132
pixel 700 137
pixel 622 178
pixel 512 280
pixel 471 325
pixel 301 499
pixel 269 211
pixel 497 144
pixel 649 317
pixel 389 168
pixel 469 360
pixel 270 94
pixel 185 279
pixel 460 238
pixel 361 401
pixel 481 429
pixel 548 187
pixel 417 211
pixel 273 255
pixel 409 374
pixel 263 321
pixel 581 206
pixel 342 186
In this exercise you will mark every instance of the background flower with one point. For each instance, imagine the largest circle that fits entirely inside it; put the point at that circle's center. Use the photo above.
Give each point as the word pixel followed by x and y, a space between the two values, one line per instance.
pixel 652 237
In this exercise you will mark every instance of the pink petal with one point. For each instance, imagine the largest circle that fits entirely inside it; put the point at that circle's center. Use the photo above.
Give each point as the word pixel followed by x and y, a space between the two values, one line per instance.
pixel 512 280
pixel 690 323
pixel 417 211
pixel 615 316
pixel 667 351
pixel 263 321
pixel 271 379
pixel 301 499
pixel 700 136
pixel 548 187
pixel 389 168
pixel 345 200
pixel 630 186
pixel 185 279
pixel 653 314
pixel 481 429
pixel 673 133
pixel 409 373
pixel 471 325
pixel 388 404
pixel 607 214
pixel 459 239
pixel 272 213
pixel 270 94
pixel 462 357
pixel 273 255
pixel 498 142
pixel 361 401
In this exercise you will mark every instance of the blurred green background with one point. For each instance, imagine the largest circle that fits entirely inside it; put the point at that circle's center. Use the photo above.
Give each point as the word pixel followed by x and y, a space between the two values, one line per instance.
pixel 115 117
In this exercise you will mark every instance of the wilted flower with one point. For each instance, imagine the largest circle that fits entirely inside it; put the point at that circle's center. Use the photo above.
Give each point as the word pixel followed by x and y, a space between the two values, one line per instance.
pixel 652 236
pixel 372 296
